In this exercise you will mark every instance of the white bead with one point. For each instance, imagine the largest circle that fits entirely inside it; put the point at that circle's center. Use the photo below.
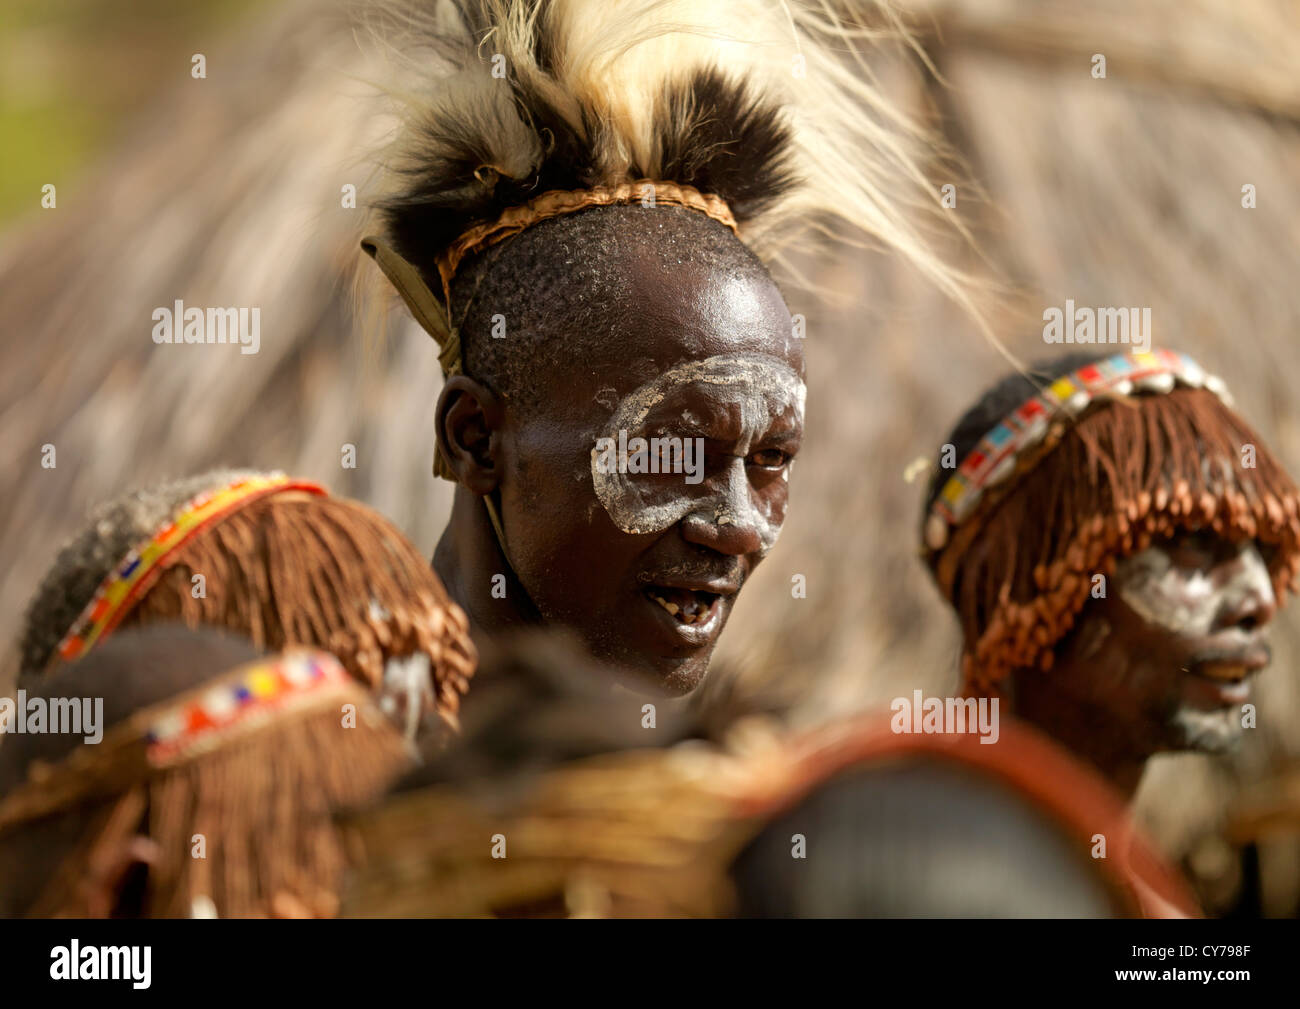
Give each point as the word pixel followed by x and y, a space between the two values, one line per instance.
pixel 218 703
pixel 1162 382
pixel 936 532
pixel 1001 471
pixel 1077 403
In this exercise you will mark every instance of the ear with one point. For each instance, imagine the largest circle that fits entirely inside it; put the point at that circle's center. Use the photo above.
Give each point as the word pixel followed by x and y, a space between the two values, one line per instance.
pixel 469 419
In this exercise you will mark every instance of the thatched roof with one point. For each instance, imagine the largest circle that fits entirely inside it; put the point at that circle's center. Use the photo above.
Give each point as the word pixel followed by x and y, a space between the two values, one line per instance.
pixel 1117 191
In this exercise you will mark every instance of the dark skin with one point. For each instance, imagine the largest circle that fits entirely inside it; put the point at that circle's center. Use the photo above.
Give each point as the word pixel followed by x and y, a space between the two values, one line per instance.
pixel 1163 662
pixel 570 563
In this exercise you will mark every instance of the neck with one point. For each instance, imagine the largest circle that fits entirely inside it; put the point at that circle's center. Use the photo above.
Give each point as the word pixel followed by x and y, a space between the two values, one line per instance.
pixel 1087 733
pixel 467 559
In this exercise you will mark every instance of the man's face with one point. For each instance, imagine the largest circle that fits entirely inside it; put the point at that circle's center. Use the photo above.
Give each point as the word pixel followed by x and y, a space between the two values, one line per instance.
pixel 646 566
pixel 1168 654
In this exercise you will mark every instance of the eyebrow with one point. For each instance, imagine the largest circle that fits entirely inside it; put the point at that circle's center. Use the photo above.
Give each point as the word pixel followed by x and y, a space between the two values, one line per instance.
pixel 783 435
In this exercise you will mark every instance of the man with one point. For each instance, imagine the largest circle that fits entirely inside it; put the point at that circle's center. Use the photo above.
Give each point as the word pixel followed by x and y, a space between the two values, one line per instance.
pixel 575 210
pixel 645 567
pixel 1115 541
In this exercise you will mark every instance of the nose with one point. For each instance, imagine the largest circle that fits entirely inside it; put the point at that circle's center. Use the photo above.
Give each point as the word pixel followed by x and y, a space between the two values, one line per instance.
pixel 724 533
pixel 726 520
pixel 1251 602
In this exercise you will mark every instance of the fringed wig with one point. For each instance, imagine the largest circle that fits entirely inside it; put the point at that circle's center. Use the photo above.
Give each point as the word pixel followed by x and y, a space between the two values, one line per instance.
pixel 212 792
pixel 762 117
pixel 273 559
pixel 1063 472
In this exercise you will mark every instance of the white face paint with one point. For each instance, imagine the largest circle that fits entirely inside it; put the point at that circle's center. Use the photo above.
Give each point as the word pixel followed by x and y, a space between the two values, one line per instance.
pixel 1185 601
pixel 1192 608
pixel 764 389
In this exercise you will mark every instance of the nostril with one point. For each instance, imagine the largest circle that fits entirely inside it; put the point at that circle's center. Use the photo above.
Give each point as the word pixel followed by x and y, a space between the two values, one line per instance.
pixel 1249 622
pixel 733 538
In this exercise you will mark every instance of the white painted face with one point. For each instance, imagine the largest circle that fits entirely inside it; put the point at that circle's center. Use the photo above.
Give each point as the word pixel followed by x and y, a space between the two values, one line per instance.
pixel 1203 607
pixel 762 391
pixel 1188 602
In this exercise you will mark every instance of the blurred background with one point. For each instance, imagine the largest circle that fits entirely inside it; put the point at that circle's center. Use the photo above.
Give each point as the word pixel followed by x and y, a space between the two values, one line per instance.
pixel 227 190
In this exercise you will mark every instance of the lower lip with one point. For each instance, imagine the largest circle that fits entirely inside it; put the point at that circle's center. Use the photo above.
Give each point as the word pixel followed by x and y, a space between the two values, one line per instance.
pixel 695 635
pixel 1211 693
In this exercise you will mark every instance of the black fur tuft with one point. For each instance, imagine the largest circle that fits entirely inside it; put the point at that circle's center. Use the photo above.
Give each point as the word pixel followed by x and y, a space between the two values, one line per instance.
pixel 720 139
pixel 715 136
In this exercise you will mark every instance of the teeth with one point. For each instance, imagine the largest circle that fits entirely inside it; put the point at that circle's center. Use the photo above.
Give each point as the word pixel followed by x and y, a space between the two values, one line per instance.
pixel 694 615
pixel 1223 671
pixel 670 607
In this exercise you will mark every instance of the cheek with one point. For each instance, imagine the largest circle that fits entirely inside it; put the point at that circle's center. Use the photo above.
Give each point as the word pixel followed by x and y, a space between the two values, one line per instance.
pixel 559 538
pixel 752 391
pixel 1118 661
pixel 1100 667
pixel 545 495
pixel 774 497
pixel 1170 600
pixel 639 505
pixel 768 509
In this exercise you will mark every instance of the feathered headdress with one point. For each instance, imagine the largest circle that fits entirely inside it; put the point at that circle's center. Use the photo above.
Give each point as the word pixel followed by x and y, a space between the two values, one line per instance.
pixel 761 114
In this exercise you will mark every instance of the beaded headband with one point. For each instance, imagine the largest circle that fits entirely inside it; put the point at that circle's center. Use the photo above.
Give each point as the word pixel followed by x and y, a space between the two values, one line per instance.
pixel 140 569
pixel 994 458
pixel 239 703
pixel 235 704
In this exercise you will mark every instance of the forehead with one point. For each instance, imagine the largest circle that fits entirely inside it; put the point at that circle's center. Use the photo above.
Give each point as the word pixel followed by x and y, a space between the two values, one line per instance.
pixel 661 314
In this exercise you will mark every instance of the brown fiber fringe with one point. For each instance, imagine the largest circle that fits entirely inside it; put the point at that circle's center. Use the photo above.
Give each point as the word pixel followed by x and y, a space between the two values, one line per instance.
pixel 1130 472
pixel 324 573
pixel 265 805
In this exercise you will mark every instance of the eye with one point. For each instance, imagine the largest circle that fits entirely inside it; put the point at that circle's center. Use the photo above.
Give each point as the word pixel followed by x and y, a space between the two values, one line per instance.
pixel 769 458
pixel 1196 550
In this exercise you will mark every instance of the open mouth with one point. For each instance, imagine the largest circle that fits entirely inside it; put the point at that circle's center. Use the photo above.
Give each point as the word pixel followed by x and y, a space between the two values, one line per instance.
pixel 1223 682
pixel 1224 672
pixel 687 606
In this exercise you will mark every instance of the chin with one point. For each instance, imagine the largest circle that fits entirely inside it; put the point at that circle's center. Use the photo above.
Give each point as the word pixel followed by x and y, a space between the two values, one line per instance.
pixel 1207 731
pixel 654 665
pixel 669 680
pixel 683 679
pixel 655 676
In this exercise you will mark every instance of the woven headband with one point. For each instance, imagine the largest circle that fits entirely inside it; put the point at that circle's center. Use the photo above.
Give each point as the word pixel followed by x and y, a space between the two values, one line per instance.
pixel 989 465
pixel 132 577
pixel 182 728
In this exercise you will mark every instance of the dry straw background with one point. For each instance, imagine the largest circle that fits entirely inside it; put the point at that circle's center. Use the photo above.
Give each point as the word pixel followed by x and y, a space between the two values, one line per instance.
pixel 1122 191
